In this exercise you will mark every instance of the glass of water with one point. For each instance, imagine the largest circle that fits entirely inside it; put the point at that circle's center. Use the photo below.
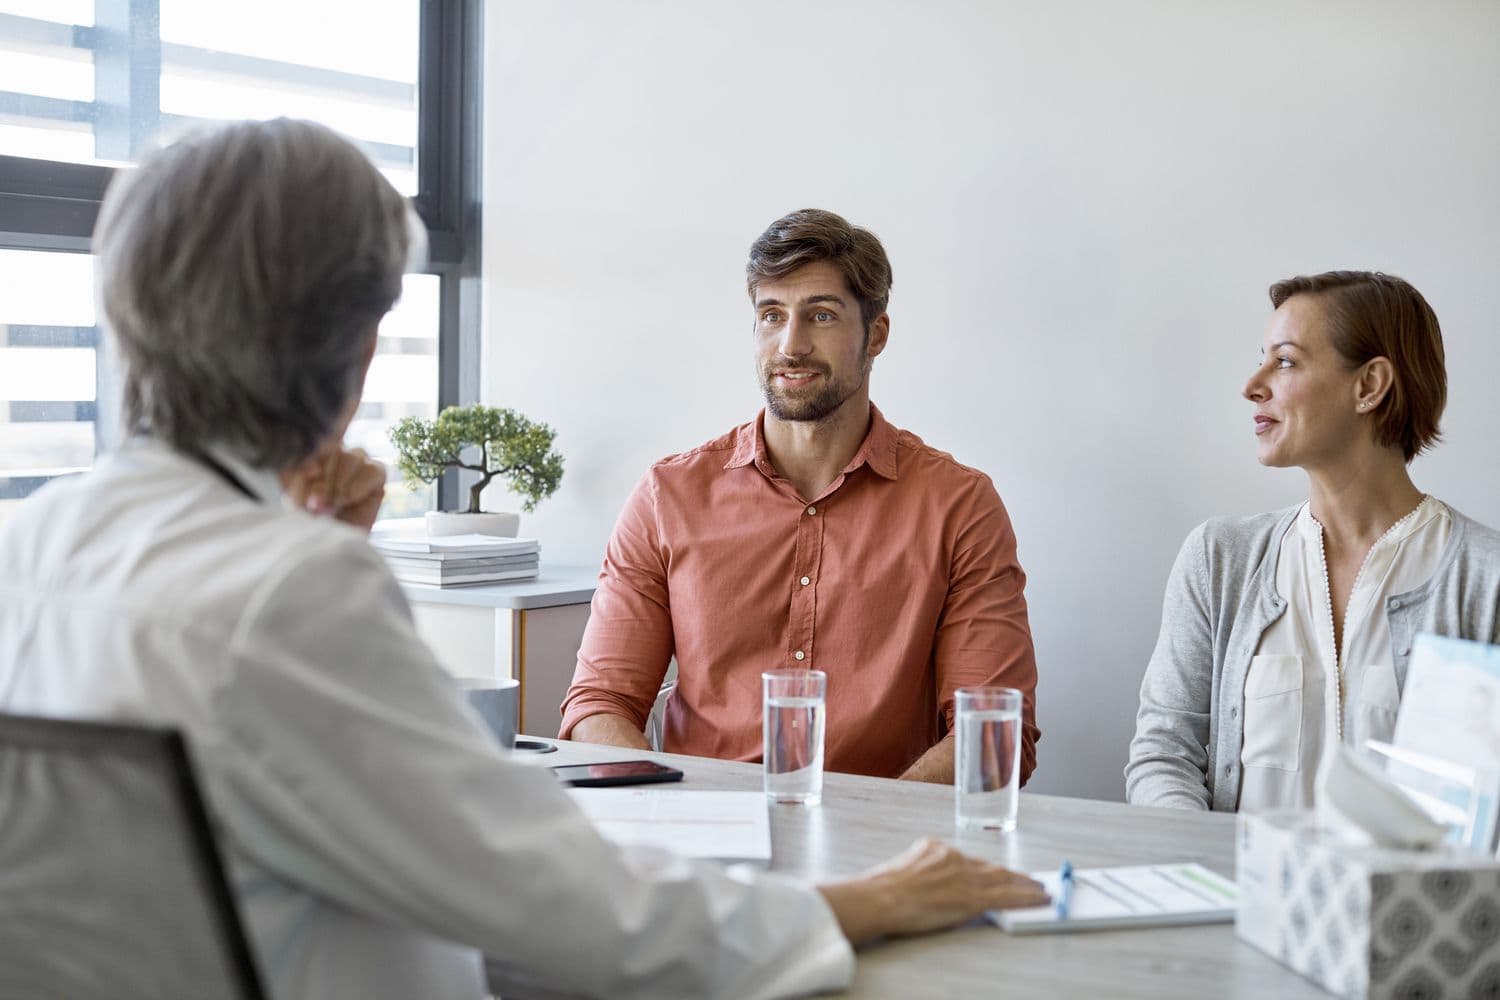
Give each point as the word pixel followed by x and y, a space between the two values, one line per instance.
pixel 792 715
pixel 987 769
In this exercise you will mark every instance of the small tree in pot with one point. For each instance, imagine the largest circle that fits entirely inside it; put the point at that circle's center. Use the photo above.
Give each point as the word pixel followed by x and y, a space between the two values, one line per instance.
pixel 484 439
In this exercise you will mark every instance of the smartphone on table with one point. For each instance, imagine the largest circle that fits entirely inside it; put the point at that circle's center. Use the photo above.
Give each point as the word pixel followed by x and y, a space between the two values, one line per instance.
pixel 616 772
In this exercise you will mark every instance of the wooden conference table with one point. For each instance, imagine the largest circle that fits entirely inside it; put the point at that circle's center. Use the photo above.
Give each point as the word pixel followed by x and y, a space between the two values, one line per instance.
pixel 864 821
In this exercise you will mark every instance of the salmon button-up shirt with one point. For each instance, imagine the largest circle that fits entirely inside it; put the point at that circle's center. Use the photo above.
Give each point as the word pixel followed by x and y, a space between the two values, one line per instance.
pixel 899 580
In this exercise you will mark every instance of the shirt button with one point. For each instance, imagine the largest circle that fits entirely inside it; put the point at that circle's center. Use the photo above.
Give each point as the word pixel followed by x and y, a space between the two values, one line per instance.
pixel 806 580
pixel 1228 770
pixel 811 511
pixel 799 655
pixel 1234 713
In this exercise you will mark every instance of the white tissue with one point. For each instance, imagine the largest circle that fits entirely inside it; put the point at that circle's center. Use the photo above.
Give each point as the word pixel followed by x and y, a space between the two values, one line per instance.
pixel 1355 797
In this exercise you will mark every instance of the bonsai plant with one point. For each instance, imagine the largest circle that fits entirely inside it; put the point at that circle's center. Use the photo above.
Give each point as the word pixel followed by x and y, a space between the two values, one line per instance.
pixel 490 441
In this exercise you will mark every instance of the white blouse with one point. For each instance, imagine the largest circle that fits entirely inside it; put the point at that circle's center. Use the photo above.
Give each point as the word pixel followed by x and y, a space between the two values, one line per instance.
pixel 1301 696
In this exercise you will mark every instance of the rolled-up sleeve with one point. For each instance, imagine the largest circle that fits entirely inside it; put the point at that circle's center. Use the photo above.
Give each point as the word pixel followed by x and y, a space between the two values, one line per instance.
pixel 1168 763
pixel 627 644
pixel 984 638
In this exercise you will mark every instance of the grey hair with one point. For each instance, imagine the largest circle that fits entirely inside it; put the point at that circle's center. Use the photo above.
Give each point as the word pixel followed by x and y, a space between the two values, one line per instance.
pixel 243 271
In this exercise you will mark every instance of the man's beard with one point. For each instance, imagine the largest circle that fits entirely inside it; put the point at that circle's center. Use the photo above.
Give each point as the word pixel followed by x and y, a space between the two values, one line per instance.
pixel 818 406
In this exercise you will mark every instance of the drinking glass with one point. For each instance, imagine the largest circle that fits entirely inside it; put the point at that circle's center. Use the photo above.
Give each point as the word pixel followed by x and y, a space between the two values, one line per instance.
pixel 792 716
pixel 987 769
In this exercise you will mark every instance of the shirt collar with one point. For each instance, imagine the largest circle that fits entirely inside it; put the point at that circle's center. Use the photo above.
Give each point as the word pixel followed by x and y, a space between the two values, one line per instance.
pixel 265 484
pixel 878 450
pixel 1425 510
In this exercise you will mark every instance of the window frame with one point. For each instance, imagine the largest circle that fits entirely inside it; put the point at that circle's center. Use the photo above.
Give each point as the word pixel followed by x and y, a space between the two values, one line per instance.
pixel 53 205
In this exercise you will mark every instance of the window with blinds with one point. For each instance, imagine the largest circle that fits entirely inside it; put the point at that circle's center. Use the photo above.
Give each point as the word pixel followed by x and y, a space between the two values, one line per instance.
pixel 49 369
pixel 100 82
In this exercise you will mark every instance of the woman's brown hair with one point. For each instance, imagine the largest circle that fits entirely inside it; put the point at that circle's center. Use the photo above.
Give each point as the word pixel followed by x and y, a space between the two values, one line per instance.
pixel 1373 315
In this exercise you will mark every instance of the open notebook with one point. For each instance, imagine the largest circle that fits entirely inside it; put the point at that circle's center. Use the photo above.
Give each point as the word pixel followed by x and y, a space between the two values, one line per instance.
pixel 1136 896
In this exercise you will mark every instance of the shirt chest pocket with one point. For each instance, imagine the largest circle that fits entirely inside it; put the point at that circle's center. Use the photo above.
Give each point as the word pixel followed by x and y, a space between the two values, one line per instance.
pixel 1273 713
pixel 1374 716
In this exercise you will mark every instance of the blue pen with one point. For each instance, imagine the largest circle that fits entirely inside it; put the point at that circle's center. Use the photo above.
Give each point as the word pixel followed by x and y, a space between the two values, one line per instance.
pixel 1064 890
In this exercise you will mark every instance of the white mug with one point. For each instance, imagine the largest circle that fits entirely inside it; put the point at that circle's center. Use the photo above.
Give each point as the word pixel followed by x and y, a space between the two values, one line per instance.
pixel 498 702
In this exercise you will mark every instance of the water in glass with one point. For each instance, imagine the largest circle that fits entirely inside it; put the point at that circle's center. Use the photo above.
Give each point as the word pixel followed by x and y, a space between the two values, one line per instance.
pixel 794 749
pixel 987 774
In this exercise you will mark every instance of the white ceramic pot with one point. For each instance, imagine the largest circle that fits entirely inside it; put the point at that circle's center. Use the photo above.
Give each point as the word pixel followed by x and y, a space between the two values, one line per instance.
pixel 441 522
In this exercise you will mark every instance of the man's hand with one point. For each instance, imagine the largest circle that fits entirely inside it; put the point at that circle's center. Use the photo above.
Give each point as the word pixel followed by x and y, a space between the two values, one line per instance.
pixel 344 484
pixel 936 765
pixel 929 887
pixel 611 730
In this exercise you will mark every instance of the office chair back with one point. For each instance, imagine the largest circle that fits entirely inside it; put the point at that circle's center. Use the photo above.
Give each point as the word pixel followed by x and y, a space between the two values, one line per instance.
pixel 111 884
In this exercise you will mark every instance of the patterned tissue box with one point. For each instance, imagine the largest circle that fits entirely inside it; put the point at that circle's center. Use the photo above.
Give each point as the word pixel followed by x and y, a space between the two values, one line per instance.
pixel 1366 921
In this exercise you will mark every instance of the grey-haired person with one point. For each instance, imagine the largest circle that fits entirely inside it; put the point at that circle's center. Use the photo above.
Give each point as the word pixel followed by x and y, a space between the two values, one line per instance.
pixel 214 574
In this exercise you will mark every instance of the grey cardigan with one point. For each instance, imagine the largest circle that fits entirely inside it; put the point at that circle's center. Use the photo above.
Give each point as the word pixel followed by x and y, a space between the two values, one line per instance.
pixel 1221 597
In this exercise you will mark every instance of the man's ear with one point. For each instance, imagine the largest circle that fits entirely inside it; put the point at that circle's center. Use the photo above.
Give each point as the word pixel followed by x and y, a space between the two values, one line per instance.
pixel 879 333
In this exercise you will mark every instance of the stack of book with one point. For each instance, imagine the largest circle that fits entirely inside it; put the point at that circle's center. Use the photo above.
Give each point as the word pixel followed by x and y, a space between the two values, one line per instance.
pixel 456 560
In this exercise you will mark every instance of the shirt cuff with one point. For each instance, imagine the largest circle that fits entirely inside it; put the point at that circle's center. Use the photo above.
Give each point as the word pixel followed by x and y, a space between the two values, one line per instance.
pixel 829 950
pixel 823 961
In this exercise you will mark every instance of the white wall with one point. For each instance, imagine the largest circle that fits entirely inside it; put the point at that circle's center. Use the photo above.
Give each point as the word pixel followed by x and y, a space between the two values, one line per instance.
pixel 1083 204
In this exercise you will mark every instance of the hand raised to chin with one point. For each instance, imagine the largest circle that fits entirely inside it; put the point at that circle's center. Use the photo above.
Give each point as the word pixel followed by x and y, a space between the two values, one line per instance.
pixel 343 483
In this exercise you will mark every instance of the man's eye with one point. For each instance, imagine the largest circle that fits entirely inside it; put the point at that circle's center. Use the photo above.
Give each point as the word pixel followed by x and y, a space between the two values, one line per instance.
pixel 770 317
pixel 1283 362
pixel 823 316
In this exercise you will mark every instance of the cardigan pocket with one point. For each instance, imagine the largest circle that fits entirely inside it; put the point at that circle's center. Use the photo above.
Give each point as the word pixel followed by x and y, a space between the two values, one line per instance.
pixel 1273 713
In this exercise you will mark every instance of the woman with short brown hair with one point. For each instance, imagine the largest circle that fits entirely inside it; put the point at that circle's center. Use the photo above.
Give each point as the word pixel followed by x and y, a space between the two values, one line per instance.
pixel 1284 633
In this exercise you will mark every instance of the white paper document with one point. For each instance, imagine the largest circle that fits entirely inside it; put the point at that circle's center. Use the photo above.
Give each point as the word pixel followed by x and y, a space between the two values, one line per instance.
pixel 1451 705
pixel 1135 896
pixel 724 826
pixel 1446 748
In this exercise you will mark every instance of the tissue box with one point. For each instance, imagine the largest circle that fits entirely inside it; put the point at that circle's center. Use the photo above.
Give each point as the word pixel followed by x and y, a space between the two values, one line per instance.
pixel 1368 921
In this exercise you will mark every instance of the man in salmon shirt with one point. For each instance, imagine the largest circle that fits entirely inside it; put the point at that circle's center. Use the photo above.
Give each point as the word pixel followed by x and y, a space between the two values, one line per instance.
pixel 816 535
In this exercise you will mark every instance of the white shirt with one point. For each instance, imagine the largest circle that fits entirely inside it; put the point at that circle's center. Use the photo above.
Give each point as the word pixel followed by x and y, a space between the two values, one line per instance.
pixel 378 840
pixel 1300 697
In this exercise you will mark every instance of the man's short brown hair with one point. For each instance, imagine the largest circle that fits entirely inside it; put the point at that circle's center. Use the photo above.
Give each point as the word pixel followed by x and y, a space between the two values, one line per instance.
pixel 1374 315
pixel 810 235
